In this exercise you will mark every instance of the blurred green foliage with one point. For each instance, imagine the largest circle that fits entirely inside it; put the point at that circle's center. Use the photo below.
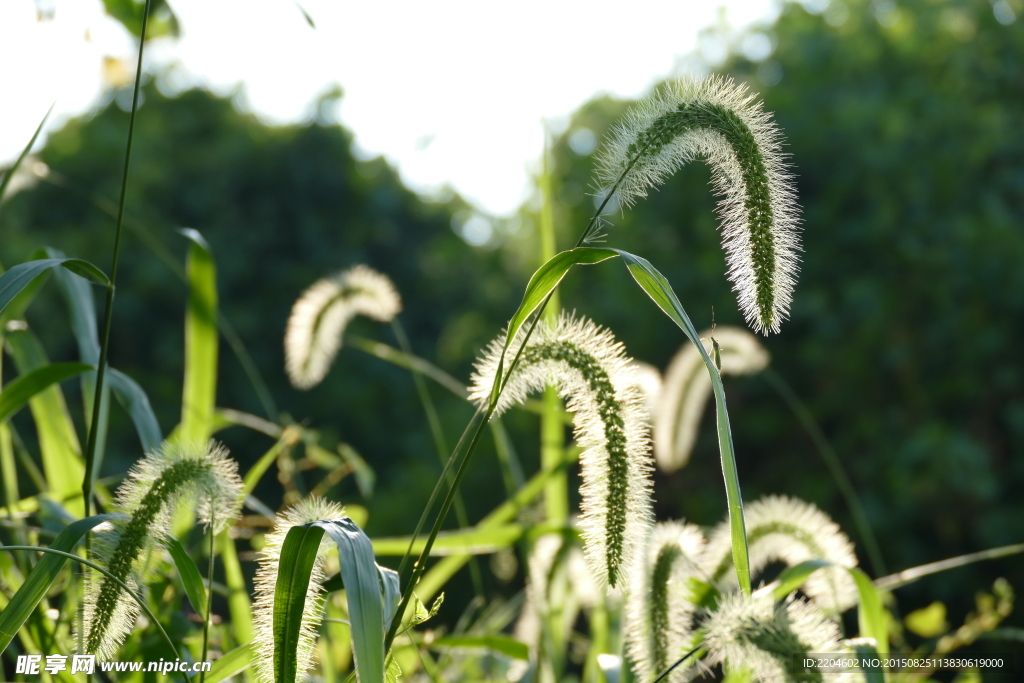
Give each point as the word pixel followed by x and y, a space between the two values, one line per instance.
pixel 903 124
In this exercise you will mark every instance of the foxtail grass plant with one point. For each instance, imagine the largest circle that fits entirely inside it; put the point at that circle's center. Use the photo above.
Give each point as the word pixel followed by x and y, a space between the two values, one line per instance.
pixel 593 375
pixel 319 318
pixel 719 121
pixel 686 389
pixel 783 529
pixel 768 639
pixel 659 609
pixel 203 477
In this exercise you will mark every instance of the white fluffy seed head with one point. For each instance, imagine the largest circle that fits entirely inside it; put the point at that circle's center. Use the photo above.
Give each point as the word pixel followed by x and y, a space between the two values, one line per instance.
pixel 782 529
pixel 687 387
pixel 592 373
pixel 319 318
pixel 719 121
pixel 649 382
pixel 309 510
pixel 155 488
pixel 659 613
pixel 768 638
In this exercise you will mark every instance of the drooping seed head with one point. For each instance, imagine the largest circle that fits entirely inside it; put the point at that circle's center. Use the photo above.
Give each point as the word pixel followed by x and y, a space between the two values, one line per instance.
pixel 320 316
pixel 770 639
pixel 687 387
pixel 309 510
pixel 157 485
pixel 659 613
pixel 717 120
pixel 648 381
pixel 781 529
pixel 592 373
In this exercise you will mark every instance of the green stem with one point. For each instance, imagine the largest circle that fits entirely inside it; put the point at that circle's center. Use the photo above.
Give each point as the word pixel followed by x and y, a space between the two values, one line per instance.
pixel 834 465
pixel 440 446
pixel 127 590
pixel 90 450
pixel 908 576
pixel 209 604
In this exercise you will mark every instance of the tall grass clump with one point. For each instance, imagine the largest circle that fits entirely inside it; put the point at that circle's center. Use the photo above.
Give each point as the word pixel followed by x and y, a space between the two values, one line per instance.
pixel 321 314
pixel 719 121
pixel 593 374
pixel 158 485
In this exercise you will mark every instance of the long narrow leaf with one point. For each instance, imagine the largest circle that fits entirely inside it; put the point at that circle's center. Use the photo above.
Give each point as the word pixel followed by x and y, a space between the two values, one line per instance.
pixel 18 392
pixel 471 541
pixel 795 576
pixel 661 292
pixel 135 402
pixel 191 579
pixel 871 614
pixel 298 555
pixel 506 645
pixel 42 576
pixel 231 664
pixel 19 276
pixel 200 391
pixel 24 153
pixel 238 595
pixel 58 441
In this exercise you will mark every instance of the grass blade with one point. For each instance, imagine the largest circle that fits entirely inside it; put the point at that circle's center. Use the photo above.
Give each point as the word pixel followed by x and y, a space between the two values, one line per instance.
pixel 871 614
pixel 659 289
pixel 191 579
pixel 135 402
pixel 238 595
pixel 58 441
pixel 470 541
pixel 231 664
pixel 20 276
pixel 794 577
pixel 200 391
pixel 506 645
pixel 908 576
pixel 42 576
pixel 298 555
pixel 24 153
pixel 18 392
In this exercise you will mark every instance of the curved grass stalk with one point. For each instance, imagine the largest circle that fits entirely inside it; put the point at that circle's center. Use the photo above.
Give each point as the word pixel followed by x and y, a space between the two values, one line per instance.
pixel 687 388
pixel 659 614
pixel 782 529
pixel 719 121
pixel 320 316
pixel 592 373
pixel 156 485
pixel 769 639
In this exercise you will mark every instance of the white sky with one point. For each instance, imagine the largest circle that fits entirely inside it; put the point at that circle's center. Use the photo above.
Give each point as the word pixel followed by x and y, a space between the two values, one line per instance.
pixel 451 92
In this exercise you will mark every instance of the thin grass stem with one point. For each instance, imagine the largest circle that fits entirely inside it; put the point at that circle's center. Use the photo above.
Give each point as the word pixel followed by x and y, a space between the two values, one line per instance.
pixel 908 576
pixel 669 670
pixel 90 450
pixel 835 466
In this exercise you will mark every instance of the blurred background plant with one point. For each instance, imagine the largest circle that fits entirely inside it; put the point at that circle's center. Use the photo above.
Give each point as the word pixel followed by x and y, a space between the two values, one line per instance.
pixel 901 349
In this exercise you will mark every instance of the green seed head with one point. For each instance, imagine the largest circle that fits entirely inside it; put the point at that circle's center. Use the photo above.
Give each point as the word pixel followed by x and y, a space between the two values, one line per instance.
pixel 157 485
pixel 659 614
pixel 592 372
pixel 769 639
pixel 320 316
pixel 717 120
pixel 781 529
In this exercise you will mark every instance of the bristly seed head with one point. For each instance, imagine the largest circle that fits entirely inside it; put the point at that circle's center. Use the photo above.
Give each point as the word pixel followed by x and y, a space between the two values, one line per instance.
pixel 320 316
pixel 719 121
pixel 659 612
pixel 156 486
pixel 592 372
pixel 781 529
pixel 309 510
pixel 771 639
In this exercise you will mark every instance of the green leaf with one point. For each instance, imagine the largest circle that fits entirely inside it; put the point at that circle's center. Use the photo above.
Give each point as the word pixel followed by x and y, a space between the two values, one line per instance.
pixel 231 664
pixel 58 441
pixel 191 579
pixel 200 392
pixel 135 402
pixel 24 153
pixel 867 653
pixel 871 613
pixel 21 275
pixel 18 392
pixel 298 555
pixel 506 645
pixel 372 594
pixel 42 576
pixel 471 541
pixel 795 576
pixel 162 20
pixel 238 595
pixel 659 289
